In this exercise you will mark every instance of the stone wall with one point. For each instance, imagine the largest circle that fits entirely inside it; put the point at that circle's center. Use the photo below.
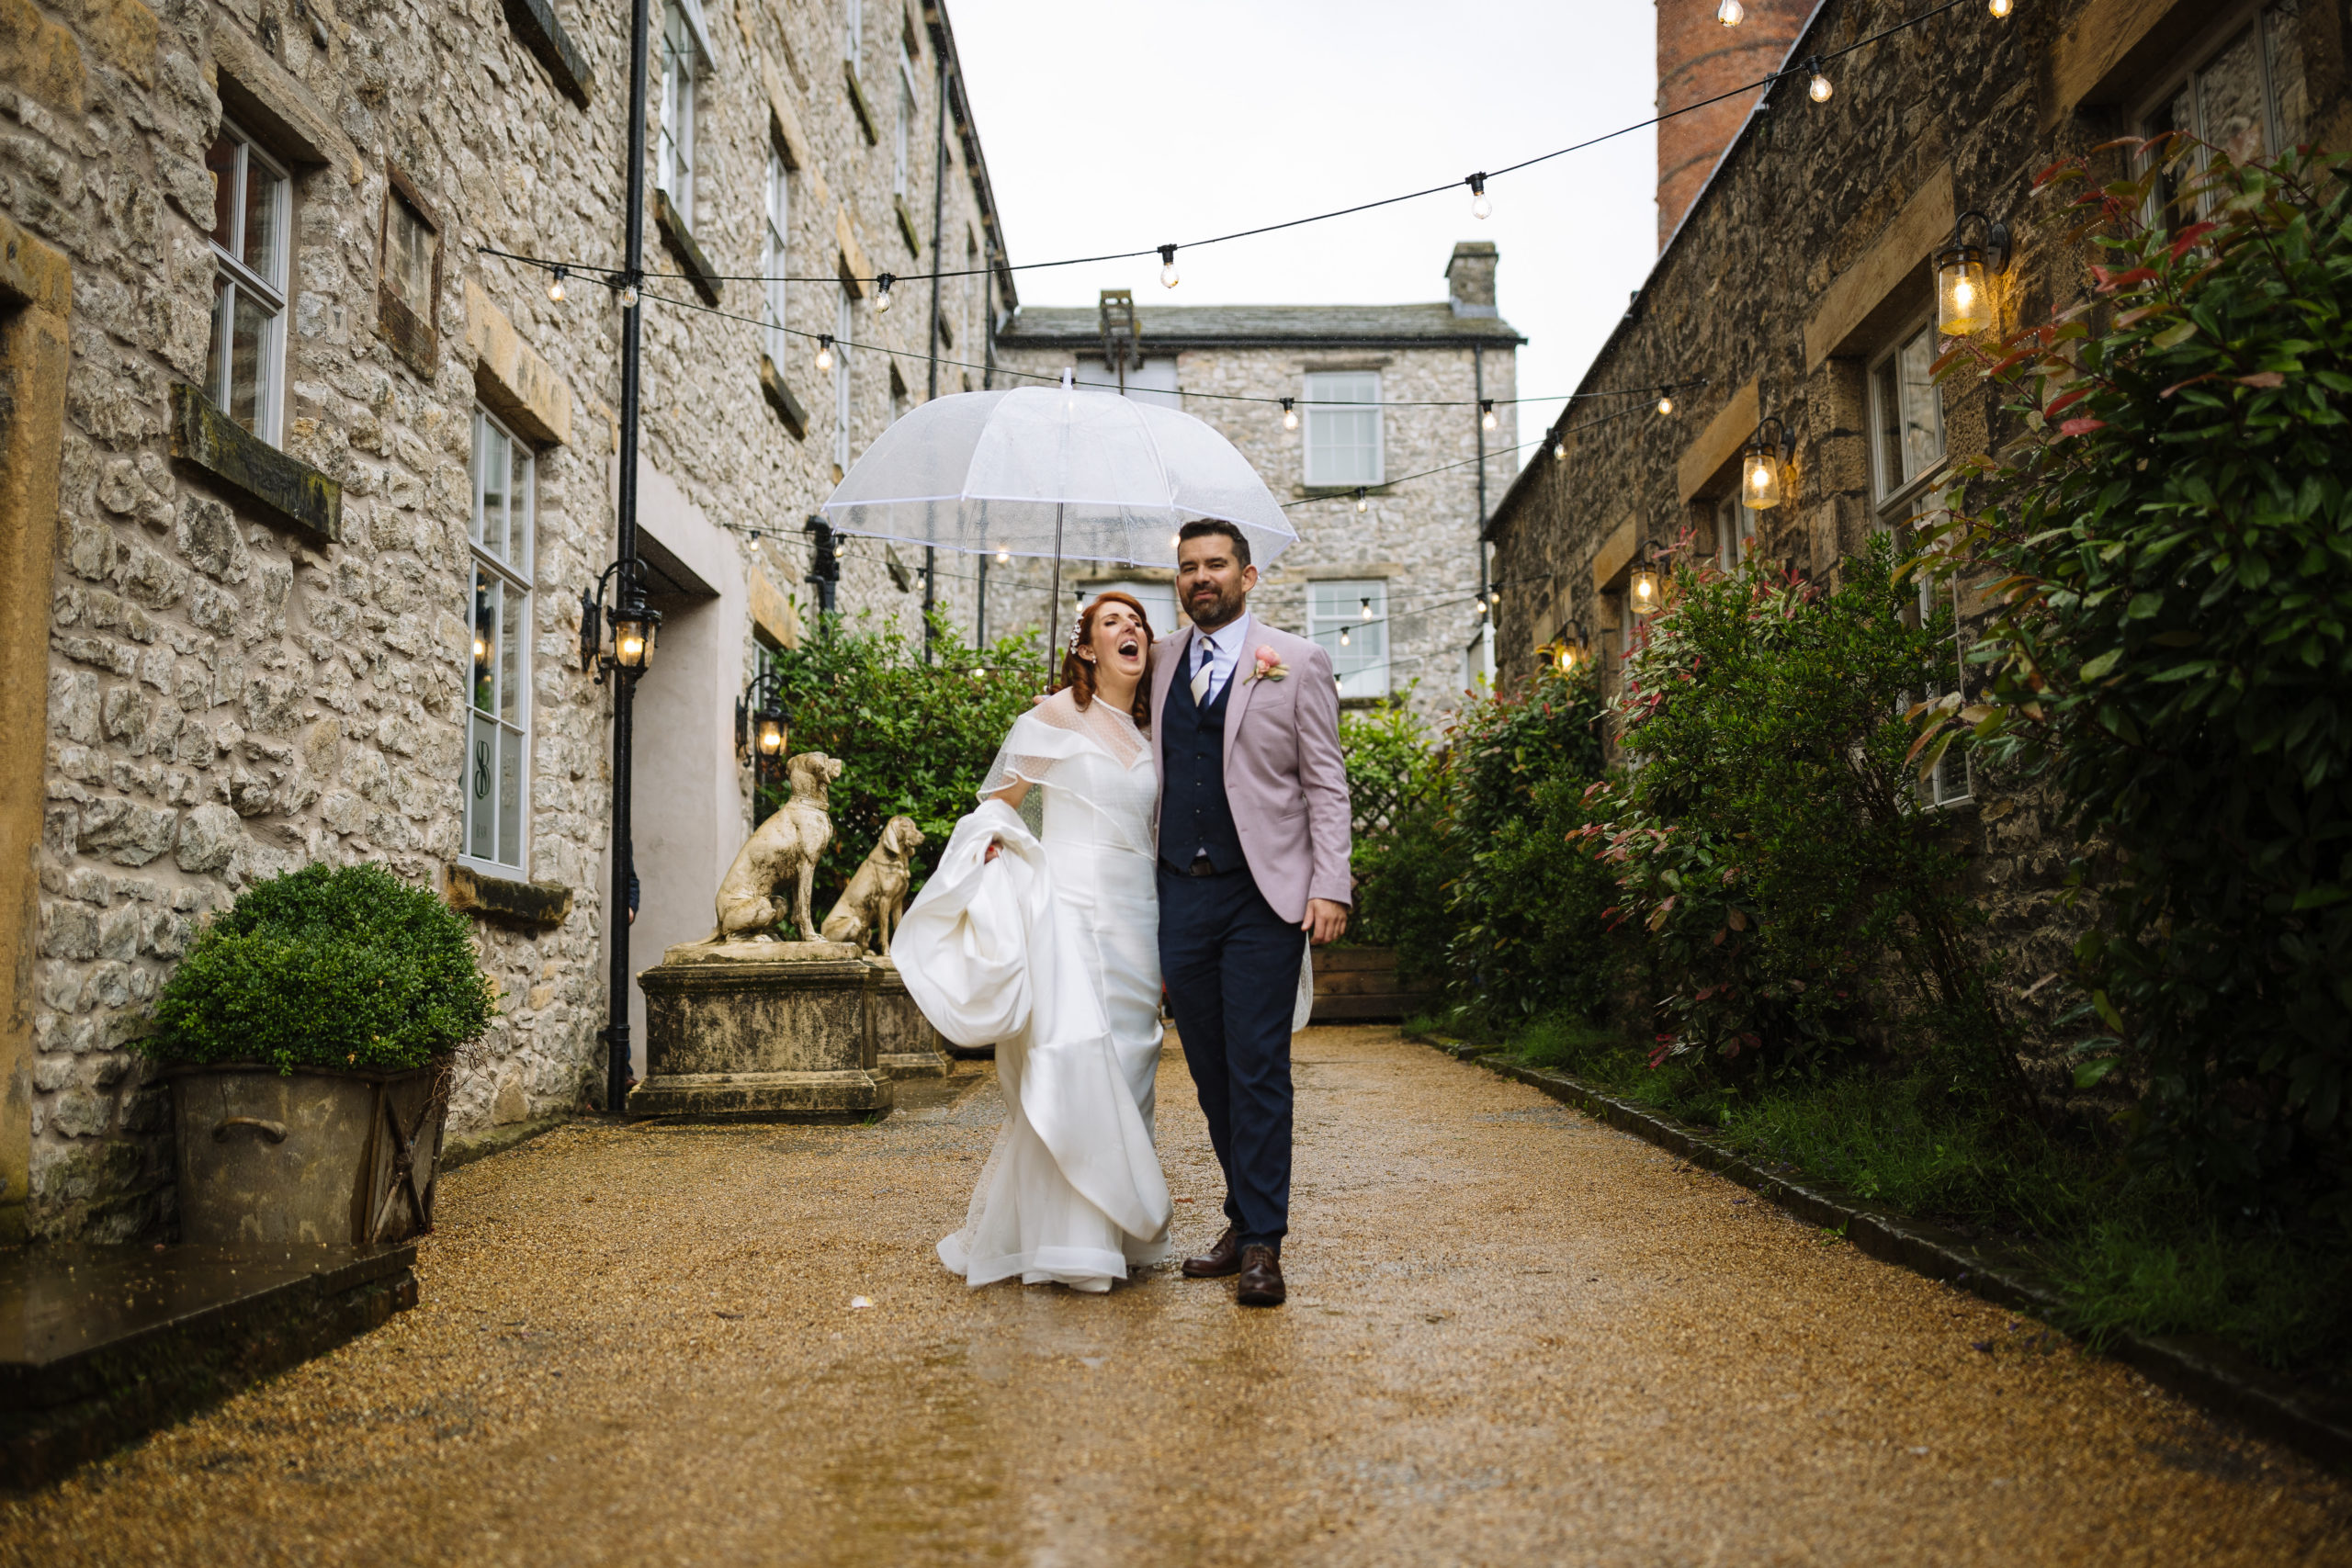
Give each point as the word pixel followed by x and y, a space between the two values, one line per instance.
pixel 1801 264
pixel 236 688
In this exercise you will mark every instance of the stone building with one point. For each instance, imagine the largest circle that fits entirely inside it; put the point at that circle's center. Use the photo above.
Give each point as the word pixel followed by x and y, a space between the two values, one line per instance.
pixel 1798 286
pixel 1386 404
pixel 281 440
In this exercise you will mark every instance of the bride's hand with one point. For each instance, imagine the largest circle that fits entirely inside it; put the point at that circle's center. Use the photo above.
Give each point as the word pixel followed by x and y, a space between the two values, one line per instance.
pixel 992 854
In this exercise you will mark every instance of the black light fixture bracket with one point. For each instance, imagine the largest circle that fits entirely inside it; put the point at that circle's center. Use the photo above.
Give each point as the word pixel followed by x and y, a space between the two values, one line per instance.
pixel 1995 252
pixel 623 583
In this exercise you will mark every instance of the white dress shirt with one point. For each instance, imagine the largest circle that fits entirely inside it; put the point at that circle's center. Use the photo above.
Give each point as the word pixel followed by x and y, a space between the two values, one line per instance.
pixel 1224 645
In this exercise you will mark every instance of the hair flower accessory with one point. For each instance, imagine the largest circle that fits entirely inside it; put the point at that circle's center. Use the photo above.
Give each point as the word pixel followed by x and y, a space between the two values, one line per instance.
pixel 1270 665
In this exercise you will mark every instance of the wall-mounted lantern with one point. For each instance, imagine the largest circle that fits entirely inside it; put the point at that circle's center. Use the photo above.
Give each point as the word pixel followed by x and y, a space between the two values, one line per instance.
pixel 763 724
pixel 617 636
pixel 1763 464
pixel 1964 300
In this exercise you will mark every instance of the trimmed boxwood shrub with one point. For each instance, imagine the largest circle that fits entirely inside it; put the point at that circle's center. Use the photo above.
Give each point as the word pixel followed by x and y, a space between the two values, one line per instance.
pixel 326 968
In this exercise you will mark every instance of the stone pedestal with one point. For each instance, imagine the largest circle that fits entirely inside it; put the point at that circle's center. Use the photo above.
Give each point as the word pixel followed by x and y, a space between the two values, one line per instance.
pixel 759 1032
pixel 905 1044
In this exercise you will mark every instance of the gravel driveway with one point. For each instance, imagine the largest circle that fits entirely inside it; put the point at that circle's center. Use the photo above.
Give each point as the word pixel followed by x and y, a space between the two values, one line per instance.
pixel 1514 1335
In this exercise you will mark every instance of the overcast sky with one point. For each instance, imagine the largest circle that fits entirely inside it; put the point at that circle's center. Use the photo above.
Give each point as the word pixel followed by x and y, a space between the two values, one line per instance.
pixel 1111 125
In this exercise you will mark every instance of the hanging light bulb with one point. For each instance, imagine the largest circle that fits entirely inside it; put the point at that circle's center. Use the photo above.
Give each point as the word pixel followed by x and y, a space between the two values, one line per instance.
pixel 1362 504
pixel 1480 206
pixel 1643 590
pixel 824 352
pixel 1168 266
pixel 1366 613
pixel 1481 609
pixel 1494 595
pixel 1290 415
pixel 1343 637
pixel 2000 9
pixel 1665 401
pixel 1731 13
pixel 555 285
pixel 883 282
pixel 1004 557
pixel 1486 414
pixel 1560 449
pixel 628 295
pixel 1818 89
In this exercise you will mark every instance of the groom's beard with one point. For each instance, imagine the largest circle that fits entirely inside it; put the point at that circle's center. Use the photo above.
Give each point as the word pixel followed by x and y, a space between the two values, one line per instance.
pixel 1210 613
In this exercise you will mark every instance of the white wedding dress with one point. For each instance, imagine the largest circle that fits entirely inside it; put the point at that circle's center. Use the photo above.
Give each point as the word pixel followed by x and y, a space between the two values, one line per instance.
pixel 1051 953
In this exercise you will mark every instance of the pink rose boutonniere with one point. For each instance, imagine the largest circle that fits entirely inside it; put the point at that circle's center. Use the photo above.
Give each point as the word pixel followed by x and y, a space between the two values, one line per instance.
pixel 1270 665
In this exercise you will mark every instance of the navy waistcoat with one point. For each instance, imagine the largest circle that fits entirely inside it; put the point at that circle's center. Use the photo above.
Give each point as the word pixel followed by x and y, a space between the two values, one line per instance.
pixel 1193 812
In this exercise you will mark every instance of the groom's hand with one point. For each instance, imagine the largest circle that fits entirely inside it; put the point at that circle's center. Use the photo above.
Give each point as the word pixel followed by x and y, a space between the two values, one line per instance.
pixel 1324 921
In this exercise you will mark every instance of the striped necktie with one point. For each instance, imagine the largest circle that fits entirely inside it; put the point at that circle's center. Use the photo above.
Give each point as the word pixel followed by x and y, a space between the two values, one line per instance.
pixel 1208 667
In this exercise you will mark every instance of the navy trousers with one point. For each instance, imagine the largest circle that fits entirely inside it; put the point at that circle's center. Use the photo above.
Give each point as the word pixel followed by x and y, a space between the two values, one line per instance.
pixel 1231 968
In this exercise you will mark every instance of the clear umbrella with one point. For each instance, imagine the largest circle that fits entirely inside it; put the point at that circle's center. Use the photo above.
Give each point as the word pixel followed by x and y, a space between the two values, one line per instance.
pixel 1060 471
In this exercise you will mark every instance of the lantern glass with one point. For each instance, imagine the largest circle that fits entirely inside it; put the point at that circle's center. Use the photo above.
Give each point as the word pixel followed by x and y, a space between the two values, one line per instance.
pixel 1964 303
pixel 1759 479
pixel 632 639
pixel 770 733
pixel 1643 594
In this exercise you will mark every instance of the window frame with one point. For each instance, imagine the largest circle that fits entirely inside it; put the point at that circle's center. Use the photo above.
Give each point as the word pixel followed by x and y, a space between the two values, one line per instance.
pixel 271 292
pixel 1735 524
pixel 775 253
pixel 1350 593
pixel 2196 57
pixel 853 32
pixel 509 660
pixel 675 161
pixel 1893 492
pixel 910 110
pixel 1318 413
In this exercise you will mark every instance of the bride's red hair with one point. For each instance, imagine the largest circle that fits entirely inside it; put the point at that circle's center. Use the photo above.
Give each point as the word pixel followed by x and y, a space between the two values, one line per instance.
pixel 1078 674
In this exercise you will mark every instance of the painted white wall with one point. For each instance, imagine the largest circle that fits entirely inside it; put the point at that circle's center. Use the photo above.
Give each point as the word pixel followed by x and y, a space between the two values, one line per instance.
pixel 689 816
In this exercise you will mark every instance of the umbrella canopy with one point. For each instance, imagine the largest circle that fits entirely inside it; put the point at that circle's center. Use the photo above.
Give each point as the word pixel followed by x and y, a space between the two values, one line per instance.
pixel 1061 471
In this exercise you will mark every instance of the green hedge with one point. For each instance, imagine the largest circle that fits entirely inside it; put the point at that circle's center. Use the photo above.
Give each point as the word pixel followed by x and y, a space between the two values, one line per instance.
pixel 326 968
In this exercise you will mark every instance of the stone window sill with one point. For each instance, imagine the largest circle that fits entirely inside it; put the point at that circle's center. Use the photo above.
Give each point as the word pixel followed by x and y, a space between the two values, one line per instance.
pixel 906 226
pixel 699 272
pixel 288 490
pixel 535 23
pixel 788 407
pixel 490 897
pixel 1321 492
pixel 858 104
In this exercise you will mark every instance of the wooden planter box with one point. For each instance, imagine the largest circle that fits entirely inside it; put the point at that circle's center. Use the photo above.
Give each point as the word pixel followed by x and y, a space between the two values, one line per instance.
pixel 310 1156
pixel 1359 985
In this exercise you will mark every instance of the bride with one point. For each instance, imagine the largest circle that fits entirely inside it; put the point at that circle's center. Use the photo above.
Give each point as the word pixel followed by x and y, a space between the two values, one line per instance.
pixel 1046 944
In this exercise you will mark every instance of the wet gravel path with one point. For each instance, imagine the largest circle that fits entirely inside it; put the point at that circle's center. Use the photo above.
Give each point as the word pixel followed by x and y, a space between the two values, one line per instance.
pixel 1514 1336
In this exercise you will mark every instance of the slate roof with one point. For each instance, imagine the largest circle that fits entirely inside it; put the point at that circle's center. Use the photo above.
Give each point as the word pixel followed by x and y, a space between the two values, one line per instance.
pixel 1169 328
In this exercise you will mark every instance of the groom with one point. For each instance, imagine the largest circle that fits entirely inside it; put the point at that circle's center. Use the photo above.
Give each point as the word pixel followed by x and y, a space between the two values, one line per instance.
pixel 1253 831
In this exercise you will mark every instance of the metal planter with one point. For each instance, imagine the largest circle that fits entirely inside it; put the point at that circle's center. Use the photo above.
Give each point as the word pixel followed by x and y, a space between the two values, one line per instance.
pixel 313 1156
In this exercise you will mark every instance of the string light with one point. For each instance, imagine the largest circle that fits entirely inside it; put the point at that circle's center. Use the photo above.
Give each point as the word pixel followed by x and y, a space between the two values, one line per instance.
pixel 628 295
pixel 1367 602
pixel 1004 557
pixel 1343 637
pixel 1486 414
pixel 1731 13
pixel 1362 504
pixel 1560 450
pixel 1480 206
pixel 2000 9
pixel 1290 415
pixel 1168 266
pixel 1665 401
pixel 1818 89
pixel 555 285
pixel 883 283
pixel 824 352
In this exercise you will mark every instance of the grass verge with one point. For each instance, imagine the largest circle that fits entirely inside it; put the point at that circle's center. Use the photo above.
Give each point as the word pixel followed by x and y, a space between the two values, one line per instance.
pixel 2131 1253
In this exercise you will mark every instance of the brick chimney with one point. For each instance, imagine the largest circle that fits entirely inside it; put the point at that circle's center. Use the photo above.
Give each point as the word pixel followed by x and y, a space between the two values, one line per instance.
pixel 1470 278
pixel 1697 57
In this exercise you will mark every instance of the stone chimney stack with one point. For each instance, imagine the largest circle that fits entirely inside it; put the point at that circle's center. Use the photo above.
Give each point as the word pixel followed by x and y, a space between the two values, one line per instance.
pixel 1470 278
pixel 1697 57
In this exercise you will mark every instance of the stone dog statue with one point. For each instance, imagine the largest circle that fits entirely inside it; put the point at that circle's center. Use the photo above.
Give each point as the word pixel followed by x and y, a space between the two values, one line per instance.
pixel 784 850
pixel 869 909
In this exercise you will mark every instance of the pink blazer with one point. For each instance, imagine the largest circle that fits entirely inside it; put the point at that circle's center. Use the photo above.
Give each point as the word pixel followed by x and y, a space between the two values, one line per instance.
pixel 1284 778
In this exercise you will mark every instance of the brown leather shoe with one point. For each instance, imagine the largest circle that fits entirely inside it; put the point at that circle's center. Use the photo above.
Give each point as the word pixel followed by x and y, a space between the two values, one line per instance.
pixel 1261 1279
pixel 1219 1261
